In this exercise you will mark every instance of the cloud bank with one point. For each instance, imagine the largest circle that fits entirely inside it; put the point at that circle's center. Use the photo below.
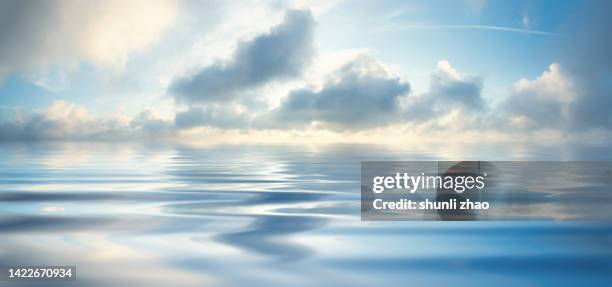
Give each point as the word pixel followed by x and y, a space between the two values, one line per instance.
pixel 219 116
pixel 570 96
pixel 67 121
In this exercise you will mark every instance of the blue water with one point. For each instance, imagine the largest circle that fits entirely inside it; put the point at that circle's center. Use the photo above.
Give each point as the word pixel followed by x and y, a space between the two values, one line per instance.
pixel 130 214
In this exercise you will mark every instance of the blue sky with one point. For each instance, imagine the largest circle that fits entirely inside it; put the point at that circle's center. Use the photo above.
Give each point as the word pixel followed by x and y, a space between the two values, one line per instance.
pixel 318 69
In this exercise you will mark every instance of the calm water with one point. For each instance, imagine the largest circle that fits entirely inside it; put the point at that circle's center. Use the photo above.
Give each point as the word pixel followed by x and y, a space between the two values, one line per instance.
pixel 156 215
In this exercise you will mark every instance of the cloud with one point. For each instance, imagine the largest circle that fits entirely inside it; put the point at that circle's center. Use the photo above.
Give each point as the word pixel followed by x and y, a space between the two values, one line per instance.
pixel 573 95
pixel 363 94
pixel 218 116
pixel 148 123
pixel 543 102
pixel 360 94
pixel 62 120
pixel 268 82
pixel 448 91
pixel 67 121
pixel 280 54
pixel 38 34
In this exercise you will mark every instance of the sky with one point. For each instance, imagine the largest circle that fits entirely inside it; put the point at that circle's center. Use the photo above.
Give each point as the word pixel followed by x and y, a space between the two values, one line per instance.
pixel 300 71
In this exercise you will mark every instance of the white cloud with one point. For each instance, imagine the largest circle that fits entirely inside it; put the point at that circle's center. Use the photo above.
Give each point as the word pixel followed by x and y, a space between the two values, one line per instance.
pixel 280 54
pixel 544 101
pixel 64 111
pixel 450 94
pixel 553 84
pixel 446 71
pixel 37 34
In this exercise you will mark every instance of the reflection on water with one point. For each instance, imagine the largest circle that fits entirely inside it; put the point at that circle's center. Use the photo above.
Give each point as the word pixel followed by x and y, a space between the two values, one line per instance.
pixel 154 215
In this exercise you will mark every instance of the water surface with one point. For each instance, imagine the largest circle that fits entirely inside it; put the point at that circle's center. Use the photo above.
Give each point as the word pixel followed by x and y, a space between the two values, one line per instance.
pixel 130 214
